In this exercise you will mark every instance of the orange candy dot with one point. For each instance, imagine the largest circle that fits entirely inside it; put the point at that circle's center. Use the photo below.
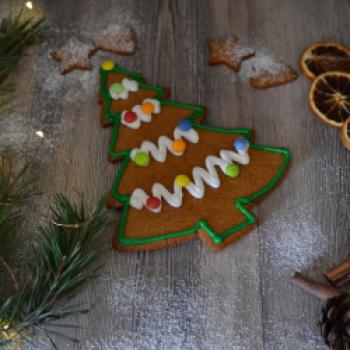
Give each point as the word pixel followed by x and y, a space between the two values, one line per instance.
pixel 179 146
pixel 147 108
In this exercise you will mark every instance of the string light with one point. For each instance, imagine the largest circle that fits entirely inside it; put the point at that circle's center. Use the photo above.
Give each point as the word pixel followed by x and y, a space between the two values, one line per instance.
pixel 40 134
pixel 29 5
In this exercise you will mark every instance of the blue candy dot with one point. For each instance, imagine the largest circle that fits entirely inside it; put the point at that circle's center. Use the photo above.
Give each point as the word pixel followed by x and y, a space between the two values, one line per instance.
pixel 185 125
pixel 241 144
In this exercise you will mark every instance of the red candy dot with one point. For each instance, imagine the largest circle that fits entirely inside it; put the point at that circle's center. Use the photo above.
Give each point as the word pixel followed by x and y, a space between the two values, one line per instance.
pixel 153 203
pixel 130 117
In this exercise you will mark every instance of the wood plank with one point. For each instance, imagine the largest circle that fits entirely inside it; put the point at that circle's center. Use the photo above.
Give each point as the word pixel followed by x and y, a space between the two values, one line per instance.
pixel 189 297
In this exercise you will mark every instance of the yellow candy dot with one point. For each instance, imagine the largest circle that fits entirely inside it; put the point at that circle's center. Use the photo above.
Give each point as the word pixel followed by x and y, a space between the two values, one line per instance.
pixel 147 108
pixel 182 180
pixel 178 146
pixel 107 65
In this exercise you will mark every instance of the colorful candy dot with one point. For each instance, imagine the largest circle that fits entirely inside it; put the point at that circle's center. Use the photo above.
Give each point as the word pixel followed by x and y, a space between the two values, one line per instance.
pixel 129 117
pixel 142 159
pixel 178 146
pixel 182 180
pixel 116 88
pixel 107 65
pixel 241 144
pixel 153 203
pixel 185 125
pixel 147 108
pixel 232 170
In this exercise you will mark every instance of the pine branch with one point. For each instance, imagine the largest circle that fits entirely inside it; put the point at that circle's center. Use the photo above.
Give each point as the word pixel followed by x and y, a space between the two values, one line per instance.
pixel 63 253
pixel 16 34
pixel 16 188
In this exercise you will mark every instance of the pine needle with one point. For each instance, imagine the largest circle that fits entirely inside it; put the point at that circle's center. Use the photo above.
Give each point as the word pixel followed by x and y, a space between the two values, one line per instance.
pixel 16 34
pixel 63 254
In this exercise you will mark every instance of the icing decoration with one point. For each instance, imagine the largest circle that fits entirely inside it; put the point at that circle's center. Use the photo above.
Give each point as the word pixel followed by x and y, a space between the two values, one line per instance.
pixel 241 144
pixel 121 90
pixel 142 159
pixel 143 113
pixel 176 147
pixel 232 170
pixel 182 180
pixel 107 114
pixel 107 65
pixel 129 117
pixel 153 203
pixel 200 176
pixel 242 203
pixel 147 108
pixel 185 125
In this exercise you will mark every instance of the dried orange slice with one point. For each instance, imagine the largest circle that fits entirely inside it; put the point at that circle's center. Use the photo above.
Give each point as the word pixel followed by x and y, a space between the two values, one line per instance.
pixel 329 97
pixel 324 57
pixel 345 134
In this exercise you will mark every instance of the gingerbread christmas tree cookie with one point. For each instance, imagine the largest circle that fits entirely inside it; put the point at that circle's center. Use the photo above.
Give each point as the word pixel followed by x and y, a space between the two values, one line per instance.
pixel 180 179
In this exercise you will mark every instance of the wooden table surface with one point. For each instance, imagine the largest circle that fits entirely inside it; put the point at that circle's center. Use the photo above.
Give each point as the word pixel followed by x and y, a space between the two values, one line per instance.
pixel 189 297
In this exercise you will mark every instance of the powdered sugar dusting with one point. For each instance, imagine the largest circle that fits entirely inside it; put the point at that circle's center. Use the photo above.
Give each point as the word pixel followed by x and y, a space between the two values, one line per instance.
pixel 44 86
pixel 298 241
pixel 234 51
pixel 164 317
pixel 116 38
pixel 73 55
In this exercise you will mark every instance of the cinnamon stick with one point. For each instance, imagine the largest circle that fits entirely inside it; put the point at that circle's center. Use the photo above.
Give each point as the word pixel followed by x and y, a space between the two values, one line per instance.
pixel 340 274
pixel 315 288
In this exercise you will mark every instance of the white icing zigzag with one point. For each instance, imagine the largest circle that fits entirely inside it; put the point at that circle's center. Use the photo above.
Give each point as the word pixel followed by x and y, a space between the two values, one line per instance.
pixel 165 144
pixel 141 116
pixel 200 176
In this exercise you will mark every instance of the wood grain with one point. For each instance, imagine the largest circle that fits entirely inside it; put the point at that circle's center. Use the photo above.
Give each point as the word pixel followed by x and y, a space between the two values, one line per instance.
pixel 189 297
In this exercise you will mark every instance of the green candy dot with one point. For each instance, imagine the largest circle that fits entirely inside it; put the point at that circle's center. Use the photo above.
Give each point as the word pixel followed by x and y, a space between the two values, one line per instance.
pixel 117 88
pixel 142 159
pixel 232 170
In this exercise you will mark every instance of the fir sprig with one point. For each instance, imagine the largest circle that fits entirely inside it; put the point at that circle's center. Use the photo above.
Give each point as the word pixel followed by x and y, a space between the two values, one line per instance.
pixel 16 34
pixel 15 189
pixel 63 252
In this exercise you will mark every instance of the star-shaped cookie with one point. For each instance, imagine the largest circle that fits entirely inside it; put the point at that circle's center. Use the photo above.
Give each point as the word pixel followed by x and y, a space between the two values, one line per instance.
pixel 73 55
pixel 229 52
pixel 119 39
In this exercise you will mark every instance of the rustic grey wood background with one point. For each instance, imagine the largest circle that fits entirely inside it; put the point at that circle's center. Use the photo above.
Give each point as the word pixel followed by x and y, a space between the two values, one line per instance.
pixel 190 297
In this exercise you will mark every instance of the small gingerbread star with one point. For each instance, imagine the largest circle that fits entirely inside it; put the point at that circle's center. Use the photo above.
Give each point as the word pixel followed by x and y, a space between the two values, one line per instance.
pixel 73 55
pixel 229 52
pixel 119 39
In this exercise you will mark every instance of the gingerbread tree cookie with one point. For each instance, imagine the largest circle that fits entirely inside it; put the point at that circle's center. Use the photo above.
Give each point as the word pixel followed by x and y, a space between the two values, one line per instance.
pixel 180 179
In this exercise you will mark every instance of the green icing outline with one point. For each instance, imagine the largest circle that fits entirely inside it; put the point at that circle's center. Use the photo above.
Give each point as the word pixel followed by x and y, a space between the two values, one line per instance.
pixel 107 98
pixel 240 203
